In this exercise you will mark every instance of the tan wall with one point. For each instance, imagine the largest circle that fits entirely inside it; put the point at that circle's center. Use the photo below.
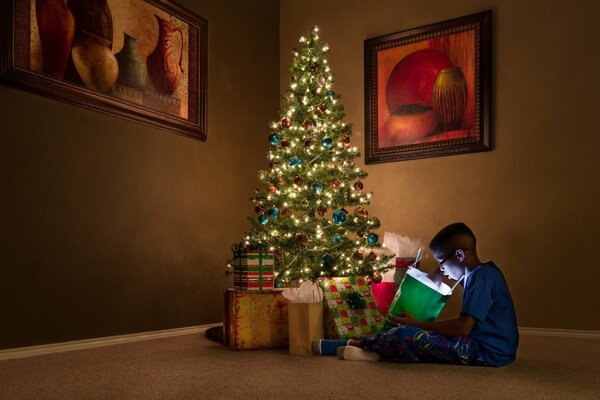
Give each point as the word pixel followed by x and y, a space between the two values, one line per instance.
pixel 111 227
pixel 533 201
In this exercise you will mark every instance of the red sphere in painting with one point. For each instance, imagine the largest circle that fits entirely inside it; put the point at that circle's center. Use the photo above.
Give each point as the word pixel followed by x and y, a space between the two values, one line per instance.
pixel 410 85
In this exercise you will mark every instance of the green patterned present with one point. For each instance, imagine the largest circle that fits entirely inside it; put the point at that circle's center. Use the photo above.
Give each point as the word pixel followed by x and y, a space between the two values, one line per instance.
pixel 349 308
pixel 253 268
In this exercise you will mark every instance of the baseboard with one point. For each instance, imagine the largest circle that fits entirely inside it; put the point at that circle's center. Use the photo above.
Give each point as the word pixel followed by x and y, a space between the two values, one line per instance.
pixel 31 351
pixel 560 332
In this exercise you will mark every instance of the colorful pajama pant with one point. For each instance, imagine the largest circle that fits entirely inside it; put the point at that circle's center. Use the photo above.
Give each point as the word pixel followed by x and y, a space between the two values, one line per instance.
pixel 411 344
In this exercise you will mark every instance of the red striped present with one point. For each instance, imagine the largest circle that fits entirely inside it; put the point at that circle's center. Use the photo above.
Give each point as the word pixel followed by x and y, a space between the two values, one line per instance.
pixel 253 269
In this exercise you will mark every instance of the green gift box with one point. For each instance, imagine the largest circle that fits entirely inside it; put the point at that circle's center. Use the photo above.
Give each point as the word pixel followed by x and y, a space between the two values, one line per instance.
pixel 349 309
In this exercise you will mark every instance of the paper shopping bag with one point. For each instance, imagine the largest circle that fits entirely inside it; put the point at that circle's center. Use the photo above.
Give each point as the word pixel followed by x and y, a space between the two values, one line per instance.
pixel 305 326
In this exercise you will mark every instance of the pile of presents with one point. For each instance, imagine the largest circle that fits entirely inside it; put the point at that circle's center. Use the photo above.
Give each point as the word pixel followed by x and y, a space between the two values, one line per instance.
pixel 257 315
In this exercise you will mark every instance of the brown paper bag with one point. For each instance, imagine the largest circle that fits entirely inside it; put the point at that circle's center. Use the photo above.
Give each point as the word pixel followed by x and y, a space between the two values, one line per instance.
pixel 305 326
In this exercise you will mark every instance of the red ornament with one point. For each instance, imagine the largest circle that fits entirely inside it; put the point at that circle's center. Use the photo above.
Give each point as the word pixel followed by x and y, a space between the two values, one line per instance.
pixel 358 186
pixel 298 180
pixel 361 212
pixel 281 181
pixel 272 189
pixel 285 213
pixel 285 144
pixel 322 210
pixel 345 141
pixel 286 122
pixel 278 254
pixel 372 256
pixel 335 184
pixel 358 256
pixel 302 239
pixel 259 209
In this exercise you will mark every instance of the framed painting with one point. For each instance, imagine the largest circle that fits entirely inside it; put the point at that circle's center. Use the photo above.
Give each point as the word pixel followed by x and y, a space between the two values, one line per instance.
pixel 142 60
pixel 428 91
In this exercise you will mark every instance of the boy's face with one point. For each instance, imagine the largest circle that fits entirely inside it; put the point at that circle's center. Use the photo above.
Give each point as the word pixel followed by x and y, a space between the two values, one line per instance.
pixel 450 263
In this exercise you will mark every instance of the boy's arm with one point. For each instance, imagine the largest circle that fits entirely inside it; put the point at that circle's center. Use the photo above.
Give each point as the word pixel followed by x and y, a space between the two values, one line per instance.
pixel 460 326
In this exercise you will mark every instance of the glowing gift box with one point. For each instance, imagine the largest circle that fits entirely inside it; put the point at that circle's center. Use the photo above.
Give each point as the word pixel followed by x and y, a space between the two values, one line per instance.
pixel 419 296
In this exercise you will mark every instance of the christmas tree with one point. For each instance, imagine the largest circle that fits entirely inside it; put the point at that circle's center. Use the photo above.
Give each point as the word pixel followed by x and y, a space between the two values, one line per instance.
pixel 312 213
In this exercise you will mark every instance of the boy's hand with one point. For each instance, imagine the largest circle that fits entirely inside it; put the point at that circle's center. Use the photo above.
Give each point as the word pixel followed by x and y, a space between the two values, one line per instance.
pixel 404 318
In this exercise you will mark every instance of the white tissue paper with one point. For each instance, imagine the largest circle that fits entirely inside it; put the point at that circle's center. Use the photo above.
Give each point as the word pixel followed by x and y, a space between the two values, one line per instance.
pixel 400 245
pixel 307 292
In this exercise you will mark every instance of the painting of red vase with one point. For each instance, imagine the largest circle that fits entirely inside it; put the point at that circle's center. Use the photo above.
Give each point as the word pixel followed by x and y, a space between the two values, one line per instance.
pixel 139 59
pixel 427 91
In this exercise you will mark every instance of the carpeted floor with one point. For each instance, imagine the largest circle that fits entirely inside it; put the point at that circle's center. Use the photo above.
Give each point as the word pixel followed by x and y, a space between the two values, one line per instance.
pixel 194 367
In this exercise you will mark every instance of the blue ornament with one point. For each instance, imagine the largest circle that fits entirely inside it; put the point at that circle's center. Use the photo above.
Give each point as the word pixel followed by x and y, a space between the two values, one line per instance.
pixel 327 142
pixel 331 94
pixel 372 239
pixel 278 285
pixel 273 212
pixel 326 260
pixel 336 239
pixel 316 187
pixel 274 139
pixel 263 219
pixel 294 161
pixel 339 217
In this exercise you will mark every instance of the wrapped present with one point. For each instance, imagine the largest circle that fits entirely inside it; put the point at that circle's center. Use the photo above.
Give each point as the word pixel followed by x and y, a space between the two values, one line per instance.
pixel 255 320
pixel 349 308
pixel 253 268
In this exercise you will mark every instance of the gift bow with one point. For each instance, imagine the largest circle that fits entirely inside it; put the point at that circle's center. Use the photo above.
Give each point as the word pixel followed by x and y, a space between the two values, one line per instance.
pixel 355 300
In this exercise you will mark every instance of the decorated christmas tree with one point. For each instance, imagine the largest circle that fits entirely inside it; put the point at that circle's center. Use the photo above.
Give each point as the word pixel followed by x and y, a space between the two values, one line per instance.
pixel 312 212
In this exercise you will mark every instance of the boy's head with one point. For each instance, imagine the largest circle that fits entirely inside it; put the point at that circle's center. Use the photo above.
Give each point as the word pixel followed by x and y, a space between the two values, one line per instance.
pixel 454 248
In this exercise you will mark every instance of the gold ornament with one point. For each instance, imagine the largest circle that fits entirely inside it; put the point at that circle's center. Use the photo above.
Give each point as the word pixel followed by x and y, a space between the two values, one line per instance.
pixel 377 278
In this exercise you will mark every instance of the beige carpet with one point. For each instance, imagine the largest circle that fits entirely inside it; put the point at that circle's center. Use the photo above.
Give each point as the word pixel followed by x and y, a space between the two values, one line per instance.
pixel 193 367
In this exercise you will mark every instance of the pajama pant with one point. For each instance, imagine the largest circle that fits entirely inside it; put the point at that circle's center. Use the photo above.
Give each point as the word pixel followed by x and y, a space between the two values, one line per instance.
pixel 412 344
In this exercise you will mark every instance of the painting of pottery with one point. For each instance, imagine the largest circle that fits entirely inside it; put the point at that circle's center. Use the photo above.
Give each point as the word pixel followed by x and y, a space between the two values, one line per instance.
pixel 427 90
pixel 149 54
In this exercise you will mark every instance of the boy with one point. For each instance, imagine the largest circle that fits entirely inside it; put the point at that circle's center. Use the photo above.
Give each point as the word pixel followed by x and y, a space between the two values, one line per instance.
pixel 485 332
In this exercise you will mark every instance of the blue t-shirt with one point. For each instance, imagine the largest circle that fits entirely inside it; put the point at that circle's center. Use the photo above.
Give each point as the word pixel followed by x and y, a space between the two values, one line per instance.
pixel 487 299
